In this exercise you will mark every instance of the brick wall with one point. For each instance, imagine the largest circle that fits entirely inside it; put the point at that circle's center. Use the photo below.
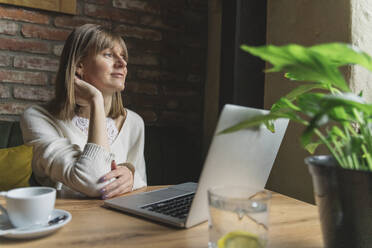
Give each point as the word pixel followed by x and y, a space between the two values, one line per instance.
pixel 166 40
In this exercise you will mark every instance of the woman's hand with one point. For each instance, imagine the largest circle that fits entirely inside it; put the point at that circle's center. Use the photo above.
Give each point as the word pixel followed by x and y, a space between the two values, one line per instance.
pixel 85 93
pixel 122 184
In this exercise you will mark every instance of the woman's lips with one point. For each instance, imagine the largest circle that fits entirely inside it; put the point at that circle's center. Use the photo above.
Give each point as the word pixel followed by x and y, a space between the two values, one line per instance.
pixel 117 75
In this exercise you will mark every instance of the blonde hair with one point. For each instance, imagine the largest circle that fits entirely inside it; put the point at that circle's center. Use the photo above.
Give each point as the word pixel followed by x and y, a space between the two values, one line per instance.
pixel 86 40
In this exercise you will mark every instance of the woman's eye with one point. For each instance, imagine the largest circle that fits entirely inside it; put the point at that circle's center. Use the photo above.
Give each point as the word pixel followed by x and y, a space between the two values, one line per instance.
pixel 107 54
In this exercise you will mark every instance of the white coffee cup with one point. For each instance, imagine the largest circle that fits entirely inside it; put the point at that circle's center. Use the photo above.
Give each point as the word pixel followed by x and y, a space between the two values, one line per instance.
pixel 29 206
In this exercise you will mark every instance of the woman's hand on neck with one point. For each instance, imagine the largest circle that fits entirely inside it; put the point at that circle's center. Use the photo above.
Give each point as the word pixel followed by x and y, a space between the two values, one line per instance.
pixel 86 95
pixel 95 106
pixel 85 110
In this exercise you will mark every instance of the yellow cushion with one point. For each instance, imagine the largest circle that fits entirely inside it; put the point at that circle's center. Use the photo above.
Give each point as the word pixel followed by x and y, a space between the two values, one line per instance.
pixel 15 167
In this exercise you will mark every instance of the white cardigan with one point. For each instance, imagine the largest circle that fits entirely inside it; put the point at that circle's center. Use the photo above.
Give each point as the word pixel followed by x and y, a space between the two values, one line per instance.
pixel 61 153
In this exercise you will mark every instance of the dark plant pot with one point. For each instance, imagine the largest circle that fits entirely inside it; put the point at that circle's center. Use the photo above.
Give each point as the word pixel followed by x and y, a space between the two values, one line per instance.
pixel 344 199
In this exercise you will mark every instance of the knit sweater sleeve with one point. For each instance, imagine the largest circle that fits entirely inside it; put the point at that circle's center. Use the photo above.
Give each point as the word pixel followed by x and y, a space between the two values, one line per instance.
pixel 55 157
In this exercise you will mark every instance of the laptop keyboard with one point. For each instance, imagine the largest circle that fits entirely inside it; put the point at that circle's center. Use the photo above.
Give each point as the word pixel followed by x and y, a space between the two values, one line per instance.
pixel 177 207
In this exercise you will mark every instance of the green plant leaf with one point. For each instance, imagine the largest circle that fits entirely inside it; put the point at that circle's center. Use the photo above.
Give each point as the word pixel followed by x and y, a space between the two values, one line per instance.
pixel 301 63
pixel 302 89
pixel 318 66
pixel 338 107
pixel 287 101
pixel 312 146
pixel 310 103
pixel 305 139
pixel 284 103
pixel 267 119
pixel 343 54
pixel 252 122
pixel 336 131
pixel 339 114
pixel 270 125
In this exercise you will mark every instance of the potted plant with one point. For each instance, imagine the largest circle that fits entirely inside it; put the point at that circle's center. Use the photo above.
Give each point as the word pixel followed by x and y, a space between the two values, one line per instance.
pixel 334 117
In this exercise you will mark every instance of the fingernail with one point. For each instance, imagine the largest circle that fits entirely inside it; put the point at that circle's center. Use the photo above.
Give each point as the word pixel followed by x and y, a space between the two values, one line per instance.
pixel 104 197
pixel 101 180
pixel 103 190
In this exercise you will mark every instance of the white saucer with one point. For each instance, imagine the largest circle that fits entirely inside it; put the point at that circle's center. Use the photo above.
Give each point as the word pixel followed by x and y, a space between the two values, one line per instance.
pixel 37 232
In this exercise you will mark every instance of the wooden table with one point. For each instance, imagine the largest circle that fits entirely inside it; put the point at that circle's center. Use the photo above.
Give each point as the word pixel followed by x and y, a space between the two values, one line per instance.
pixel 294 224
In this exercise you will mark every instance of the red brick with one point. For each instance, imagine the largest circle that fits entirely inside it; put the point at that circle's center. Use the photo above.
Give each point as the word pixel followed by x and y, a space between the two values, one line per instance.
pixel 145 6
pixel 57 49
pixel 23 15
pixel 144 59
pixel 143 46
pixel 165 102
pixel 153 21
pixel 179 91
pixel 33 93
pixel 25 77
pixel 173 6
pixel 13 108
pixel 110 14
pixel 142 88
pixel 184 103
pixel 76 21
pixel 148 115
pixel 192 78
pixel 172 23
pixel 186 39
pixel 173 104
pixel 179 118
pixel 53 78
pixel 146 101
pixel 103 2
pixel 153 7
pixel 46 33
pixel 4 91
pixel 24 45
pixel 139 33
pixel 196 68
pixel 7 27
pixel 198 4
pixel 155 75
pixel 38 63
pixel 5 60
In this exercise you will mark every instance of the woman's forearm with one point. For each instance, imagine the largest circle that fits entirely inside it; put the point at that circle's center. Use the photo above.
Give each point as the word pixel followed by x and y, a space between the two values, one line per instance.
pixel 97 124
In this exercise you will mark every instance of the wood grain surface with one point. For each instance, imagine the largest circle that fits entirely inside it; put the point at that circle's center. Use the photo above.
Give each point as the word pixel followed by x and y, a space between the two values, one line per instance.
pixel 294 224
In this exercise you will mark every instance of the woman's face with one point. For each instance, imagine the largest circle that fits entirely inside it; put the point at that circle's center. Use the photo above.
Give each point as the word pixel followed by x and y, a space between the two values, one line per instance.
pixel 106 71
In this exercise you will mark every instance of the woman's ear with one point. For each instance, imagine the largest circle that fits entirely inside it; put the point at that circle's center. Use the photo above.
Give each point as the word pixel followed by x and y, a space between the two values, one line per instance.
pixel 80 70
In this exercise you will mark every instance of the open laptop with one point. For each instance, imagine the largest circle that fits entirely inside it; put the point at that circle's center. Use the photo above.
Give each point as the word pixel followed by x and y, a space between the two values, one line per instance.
pixel 240 158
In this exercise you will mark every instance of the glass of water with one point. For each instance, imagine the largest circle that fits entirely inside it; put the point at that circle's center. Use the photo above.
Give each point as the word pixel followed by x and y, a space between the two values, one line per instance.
pixel 238 217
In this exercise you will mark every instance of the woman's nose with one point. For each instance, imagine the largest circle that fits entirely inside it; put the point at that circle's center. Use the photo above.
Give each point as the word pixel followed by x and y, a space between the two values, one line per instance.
pixel 121 62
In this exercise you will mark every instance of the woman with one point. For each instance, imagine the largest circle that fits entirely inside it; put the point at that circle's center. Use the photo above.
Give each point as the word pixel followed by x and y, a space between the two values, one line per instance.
pixel 84 140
